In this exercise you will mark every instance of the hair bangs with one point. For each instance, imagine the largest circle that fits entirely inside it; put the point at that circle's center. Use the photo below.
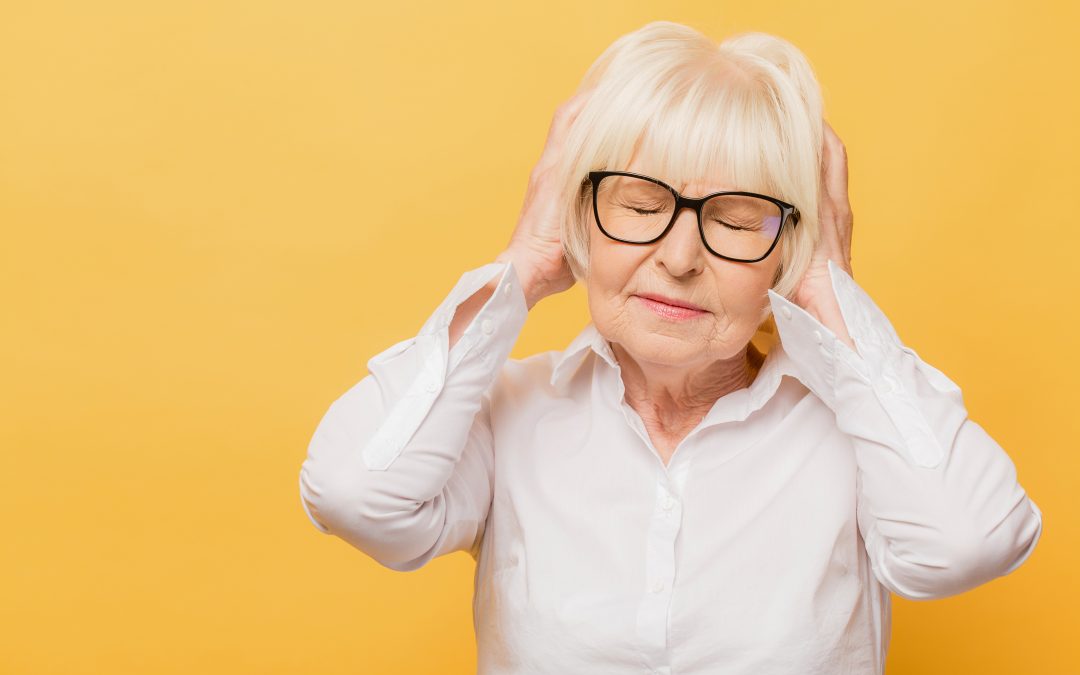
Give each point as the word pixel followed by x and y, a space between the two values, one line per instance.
pixel 723 134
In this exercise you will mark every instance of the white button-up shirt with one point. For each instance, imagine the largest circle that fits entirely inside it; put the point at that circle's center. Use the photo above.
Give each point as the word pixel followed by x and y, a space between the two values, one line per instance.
pixel 768 544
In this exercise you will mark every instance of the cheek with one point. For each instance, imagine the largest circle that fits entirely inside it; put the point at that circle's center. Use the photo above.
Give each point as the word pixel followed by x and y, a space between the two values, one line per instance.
pixel 747 292
pixel 612 266
pixel 742 288
pixel 741 301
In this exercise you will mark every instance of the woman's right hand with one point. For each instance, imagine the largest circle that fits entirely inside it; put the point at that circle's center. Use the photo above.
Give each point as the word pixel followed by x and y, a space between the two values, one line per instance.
pixel 535 247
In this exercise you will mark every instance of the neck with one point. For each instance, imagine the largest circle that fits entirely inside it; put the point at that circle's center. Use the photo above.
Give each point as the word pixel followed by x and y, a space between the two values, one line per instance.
pixel 676 398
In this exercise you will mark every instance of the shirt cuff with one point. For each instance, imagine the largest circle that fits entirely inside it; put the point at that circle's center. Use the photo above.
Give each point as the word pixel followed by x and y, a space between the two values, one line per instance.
pixel 414 371
pixel 885 373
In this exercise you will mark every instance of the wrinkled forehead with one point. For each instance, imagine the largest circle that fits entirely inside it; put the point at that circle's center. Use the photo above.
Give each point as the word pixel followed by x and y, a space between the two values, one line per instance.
pixel 698 169
pixel 696 186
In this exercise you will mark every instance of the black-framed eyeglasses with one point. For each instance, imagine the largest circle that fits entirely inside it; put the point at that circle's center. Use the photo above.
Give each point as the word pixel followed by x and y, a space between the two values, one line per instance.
pixel 739 226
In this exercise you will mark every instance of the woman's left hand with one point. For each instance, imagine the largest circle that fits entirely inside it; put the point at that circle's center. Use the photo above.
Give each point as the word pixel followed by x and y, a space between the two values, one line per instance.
pixel 814 292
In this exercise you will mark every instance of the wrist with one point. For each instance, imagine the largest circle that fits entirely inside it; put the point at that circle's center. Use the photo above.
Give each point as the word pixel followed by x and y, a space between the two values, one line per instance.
pixel 531 283
pixel 829 315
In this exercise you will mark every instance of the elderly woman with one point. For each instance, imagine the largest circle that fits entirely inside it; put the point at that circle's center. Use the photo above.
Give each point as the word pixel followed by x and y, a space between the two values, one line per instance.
pixel 664 495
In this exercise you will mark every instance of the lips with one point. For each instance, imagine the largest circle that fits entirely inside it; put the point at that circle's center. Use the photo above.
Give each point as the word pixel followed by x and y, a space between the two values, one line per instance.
pixel 669 312
pixel 671 301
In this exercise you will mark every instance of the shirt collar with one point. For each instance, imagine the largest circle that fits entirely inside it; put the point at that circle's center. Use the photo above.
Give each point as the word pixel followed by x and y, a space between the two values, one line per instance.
pixel 588 340
pixel 734 406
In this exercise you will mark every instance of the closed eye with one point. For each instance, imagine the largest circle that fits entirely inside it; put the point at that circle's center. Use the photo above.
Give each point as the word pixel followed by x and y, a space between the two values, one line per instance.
pixel 640 210
pixel 734 227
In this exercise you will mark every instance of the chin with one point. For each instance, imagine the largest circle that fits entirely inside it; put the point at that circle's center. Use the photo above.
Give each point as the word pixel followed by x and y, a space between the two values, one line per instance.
pixel 661 349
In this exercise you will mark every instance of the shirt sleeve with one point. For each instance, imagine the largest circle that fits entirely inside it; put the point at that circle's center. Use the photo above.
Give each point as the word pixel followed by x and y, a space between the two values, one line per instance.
pixel 939 506
pixel 401 465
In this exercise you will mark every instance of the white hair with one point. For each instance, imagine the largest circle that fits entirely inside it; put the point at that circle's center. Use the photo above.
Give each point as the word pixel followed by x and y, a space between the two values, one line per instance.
pixel 748 109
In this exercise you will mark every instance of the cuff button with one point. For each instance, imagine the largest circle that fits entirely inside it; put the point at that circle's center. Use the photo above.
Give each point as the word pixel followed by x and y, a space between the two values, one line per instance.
pixel 786 311
pixel 487 326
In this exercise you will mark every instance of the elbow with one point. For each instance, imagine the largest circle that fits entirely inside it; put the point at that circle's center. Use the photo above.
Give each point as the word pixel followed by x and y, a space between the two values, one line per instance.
pixel 308 498
pixel 394 532
pixel 962 559
pixel 370 510
pixel 1019 547
pixel 987 554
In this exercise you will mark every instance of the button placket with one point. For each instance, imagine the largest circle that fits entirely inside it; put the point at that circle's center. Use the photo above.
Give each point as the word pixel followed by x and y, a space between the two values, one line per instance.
pixel 659 570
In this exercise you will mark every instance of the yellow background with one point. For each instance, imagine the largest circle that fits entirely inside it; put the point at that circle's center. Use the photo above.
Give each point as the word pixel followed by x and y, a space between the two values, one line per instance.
pixel 212 218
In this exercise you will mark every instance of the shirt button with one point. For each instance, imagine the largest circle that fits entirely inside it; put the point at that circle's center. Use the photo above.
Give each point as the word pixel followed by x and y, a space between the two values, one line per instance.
pixel 506 290
pixel 487 326
pixel 668 503
pixel 658 586
pixel 431 385
pixel 817 336
pixel 786 311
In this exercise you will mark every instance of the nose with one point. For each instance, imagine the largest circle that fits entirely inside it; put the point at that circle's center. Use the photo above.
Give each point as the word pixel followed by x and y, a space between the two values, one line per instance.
pixel 681 251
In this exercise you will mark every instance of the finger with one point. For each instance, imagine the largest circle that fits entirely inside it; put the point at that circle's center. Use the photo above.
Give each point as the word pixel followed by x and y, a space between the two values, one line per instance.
pixel 580 97
pixel 560 125
pixel 847 247
pixel 835 171
pixel 826 207
pixel 568 112
pixel 834 166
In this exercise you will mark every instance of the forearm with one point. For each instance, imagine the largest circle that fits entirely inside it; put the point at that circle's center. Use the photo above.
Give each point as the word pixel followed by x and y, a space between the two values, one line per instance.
pixel 935 532
pixel 531 282
pixel 400 465
pixel 939 503
pixel 534 283
pixel 827 311
pixel 468 310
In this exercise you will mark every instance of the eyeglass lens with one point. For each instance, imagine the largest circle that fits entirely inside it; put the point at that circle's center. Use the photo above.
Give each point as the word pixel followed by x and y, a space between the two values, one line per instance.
pixel 637 210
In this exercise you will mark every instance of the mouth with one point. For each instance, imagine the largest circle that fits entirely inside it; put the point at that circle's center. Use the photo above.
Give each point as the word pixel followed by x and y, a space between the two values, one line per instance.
pixel 670 308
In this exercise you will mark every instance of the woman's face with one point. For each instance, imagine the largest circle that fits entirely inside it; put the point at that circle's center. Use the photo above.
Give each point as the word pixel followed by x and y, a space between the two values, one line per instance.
pixel 731 294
